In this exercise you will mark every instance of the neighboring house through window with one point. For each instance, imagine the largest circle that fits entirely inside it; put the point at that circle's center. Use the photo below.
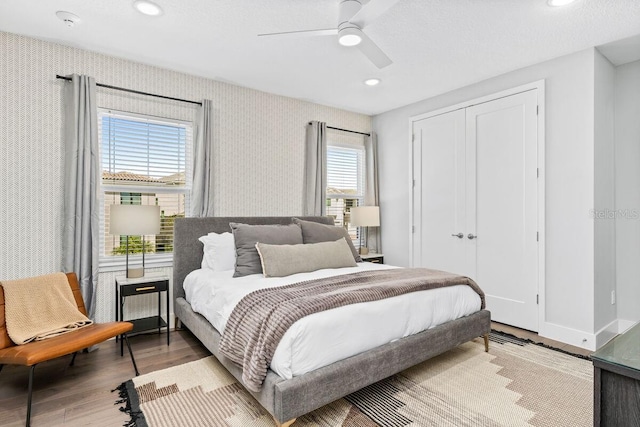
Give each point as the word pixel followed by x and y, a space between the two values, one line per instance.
pixel 145 161
pixel 345 179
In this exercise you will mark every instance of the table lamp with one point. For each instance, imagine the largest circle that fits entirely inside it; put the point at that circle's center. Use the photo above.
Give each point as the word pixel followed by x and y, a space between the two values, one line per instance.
pixel 365 216
pixel 134 220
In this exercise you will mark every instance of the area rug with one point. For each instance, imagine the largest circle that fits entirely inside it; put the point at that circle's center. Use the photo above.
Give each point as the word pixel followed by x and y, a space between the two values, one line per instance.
pixel 516 384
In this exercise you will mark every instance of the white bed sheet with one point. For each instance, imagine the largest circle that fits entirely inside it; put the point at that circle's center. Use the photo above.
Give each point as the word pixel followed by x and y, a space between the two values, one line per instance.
pixel 326 337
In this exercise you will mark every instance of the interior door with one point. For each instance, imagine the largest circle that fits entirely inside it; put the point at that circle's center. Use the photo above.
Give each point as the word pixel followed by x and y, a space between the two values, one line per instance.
pixel 439 193
pixel 501 206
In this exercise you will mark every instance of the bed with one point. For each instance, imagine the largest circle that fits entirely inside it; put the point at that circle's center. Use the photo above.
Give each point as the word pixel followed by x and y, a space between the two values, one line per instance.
pixel 288 398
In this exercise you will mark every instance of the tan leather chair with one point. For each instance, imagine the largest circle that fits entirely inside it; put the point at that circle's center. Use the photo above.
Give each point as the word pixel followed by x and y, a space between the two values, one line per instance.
pixel 35 352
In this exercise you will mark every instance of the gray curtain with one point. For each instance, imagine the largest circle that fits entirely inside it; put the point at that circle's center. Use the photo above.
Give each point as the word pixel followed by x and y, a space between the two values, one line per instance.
pixel 202 186
pixel 315 174
pixel 373 240
pixel 81 184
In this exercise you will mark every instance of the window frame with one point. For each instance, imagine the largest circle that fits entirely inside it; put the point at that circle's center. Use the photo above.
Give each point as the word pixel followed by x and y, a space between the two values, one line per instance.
pixel 360 147
pixel 152 260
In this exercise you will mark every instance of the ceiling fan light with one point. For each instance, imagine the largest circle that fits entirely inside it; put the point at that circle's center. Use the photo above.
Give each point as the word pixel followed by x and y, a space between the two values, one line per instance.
pixel 372 82
pixel 147 7
pixel 556 3
pixel 349 36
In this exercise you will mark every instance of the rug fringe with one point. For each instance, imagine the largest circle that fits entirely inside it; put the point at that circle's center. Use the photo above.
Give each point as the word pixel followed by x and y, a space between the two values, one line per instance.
pixel 135 416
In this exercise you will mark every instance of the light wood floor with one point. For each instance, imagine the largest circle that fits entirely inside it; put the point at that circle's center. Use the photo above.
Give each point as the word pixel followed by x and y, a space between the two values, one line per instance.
pixel 81 395
pixel 521 333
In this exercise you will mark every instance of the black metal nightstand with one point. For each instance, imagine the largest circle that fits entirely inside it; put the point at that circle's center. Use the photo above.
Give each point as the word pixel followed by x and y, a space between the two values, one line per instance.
pixel 126 287
pixel 372 257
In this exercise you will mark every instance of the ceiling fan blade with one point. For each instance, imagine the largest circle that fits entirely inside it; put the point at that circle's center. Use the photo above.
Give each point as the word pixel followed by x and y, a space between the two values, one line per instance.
pixel 303 33
pixel 373 52
pixel 371 11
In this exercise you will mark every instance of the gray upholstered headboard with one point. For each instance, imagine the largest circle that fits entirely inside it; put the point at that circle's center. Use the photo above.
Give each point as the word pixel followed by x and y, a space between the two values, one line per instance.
pixel 187 250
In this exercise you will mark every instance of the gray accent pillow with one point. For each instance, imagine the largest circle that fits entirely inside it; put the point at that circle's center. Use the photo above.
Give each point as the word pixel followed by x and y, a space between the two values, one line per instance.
pixel 246 236
pixel 313 232
pixel 284 260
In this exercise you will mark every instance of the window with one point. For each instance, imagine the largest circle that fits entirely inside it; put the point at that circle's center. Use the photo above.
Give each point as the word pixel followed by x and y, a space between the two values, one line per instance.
pixel 145 161
pixel 345 182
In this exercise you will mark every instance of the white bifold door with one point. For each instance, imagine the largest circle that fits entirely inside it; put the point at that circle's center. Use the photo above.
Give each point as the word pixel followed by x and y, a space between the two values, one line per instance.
pixel 475 201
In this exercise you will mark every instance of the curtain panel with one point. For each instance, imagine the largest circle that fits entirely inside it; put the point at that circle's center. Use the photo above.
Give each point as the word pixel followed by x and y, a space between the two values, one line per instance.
pixel 81 227
pixel 201 199
pixel 315 173
pixel 373 239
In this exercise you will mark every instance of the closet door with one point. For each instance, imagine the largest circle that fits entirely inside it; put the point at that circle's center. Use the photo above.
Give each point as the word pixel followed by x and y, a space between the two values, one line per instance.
pixel 439 193
pixel 501 206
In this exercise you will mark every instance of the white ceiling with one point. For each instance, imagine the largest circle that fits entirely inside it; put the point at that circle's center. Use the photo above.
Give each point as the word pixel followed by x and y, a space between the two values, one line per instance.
pixel 436 45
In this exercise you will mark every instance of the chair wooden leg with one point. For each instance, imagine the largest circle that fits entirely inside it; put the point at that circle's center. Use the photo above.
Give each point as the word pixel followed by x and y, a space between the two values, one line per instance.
pixel 73 359
pixel 31 371
pixel 486 342
pixel 133 360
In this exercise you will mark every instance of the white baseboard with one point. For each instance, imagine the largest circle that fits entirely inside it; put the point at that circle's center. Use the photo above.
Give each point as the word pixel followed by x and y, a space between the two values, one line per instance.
pixel 623 325
pixel 567 335
pixel 586 340
pixel 172 321
pixel 606 334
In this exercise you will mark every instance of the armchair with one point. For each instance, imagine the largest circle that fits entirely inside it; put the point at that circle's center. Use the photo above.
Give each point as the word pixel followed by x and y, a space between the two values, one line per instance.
pixel 35 352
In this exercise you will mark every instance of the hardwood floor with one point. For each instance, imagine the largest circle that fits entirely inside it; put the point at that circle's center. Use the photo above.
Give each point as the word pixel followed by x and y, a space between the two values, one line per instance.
pixel 81 395
pixel 521 333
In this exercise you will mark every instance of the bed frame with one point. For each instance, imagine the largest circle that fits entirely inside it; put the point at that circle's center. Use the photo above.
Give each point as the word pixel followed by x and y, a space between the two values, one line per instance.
pixel 288 399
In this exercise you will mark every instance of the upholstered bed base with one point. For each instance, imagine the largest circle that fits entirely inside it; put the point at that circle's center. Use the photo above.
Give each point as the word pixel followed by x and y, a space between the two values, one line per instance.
pixel 288 399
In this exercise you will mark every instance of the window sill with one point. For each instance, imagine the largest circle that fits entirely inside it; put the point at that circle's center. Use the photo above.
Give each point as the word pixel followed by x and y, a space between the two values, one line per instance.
pixel 118 263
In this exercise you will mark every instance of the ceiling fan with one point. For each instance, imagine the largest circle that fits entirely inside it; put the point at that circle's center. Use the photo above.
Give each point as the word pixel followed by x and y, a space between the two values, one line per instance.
pixel 353 16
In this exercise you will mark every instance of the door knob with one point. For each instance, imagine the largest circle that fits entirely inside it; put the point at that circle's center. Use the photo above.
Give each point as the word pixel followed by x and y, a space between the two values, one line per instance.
pixel 459 235
pixel 471 236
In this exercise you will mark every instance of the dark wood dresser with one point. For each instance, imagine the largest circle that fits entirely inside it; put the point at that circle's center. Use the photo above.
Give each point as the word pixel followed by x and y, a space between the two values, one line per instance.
pixel 616 381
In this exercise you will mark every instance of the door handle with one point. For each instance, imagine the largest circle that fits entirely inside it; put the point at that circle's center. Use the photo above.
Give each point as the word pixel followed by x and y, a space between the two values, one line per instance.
pixel 471 236
pixel 459 235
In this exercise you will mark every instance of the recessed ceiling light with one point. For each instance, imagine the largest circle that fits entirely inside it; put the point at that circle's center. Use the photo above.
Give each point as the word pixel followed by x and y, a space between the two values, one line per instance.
pixel 147 7
pixel 559 2
pixel 371 82
pixel 349 36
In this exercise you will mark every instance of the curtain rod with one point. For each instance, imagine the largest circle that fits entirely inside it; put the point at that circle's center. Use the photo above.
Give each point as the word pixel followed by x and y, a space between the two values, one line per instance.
pixel 347 130
pixel 135 91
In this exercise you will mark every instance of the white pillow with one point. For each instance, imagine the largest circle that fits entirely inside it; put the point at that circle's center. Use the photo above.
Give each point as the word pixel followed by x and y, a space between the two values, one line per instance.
pixel 219 251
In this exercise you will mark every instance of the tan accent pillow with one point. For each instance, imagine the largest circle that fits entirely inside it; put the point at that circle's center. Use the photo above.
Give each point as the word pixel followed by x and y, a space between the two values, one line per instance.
pixel 284 260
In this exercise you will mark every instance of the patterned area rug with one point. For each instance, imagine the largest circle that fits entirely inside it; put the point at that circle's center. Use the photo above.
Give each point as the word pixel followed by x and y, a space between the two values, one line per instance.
pixel 516 384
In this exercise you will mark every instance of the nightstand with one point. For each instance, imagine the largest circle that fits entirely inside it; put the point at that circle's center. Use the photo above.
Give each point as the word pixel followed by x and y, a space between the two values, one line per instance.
pixel 150 283
pixel 373 257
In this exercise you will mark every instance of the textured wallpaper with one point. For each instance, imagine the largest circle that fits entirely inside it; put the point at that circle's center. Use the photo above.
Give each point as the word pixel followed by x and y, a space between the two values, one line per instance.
pixel 259 146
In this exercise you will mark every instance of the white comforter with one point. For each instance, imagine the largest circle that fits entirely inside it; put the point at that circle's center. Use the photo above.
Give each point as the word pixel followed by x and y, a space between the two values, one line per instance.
pixel 326 337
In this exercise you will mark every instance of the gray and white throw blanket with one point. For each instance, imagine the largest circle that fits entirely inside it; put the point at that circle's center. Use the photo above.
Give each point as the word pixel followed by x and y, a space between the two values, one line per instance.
pixel 261 318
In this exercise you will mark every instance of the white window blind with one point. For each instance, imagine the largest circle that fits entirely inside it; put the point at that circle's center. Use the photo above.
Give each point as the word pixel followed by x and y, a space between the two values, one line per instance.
pixel 345 183
pixel 145 160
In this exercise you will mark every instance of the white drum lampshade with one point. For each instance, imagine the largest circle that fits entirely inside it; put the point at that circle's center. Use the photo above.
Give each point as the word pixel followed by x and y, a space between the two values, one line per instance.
pixel 134 220
pixel 365 216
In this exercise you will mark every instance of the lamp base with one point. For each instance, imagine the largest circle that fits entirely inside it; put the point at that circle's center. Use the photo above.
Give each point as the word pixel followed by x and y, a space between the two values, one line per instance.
pixel 134 273
pixel 364 251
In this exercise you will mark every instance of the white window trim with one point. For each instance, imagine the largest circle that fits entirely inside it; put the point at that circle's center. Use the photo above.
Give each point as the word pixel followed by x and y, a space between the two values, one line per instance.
pixel 360 147
pixel 109 263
